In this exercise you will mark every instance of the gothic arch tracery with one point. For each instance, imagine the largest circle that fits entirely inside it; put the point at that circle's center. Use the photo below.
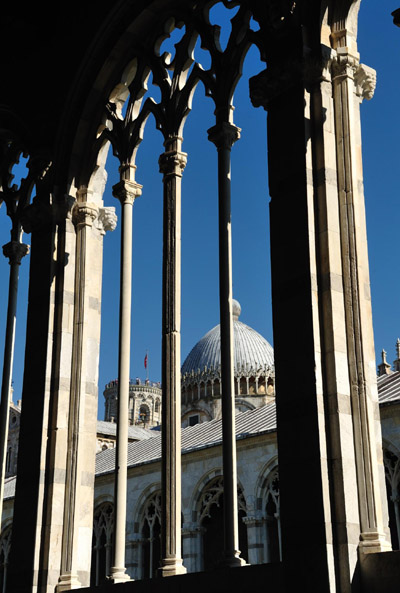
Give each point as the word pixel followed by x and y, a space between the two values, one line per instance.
pixel 103 530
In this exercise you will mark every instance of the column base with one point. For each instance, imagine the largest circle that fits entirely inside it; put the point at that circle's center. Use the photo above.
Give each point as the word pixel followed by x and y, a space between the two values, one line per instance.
pixel 232 560
pixel 118 575
pixel 171 567
pixel 66 582
pixel 372 542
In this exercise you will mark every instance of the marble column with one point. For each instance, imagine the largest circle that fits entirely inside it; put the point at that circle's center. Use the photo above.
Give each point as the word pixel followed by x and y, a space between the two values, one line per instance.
pixel 14 251
pixel 224 135
pixel 320 290
pixel 351 83
pixel 126 191
pixel 172 163
pixel 84 214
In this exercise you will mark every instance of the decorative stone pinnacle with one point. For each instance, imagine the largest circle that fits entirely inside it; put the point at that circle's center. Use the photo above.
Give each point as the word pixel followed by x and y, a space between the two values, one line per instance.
pixel 127 191
pixel 15 251
pixel 172 162
pixel 396 363
pixel 84 214
pixel 383 354
pixel 224 135
pixel 106 220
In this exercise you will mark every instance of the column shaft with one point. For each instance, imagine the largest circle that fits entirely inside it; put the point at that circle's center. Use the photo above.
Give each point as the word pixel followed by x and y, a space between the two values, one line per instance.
pixel 85 213
pixel 126 191
pixel 172 163
pixel 223 135
pixel 14 251
pixel 347 74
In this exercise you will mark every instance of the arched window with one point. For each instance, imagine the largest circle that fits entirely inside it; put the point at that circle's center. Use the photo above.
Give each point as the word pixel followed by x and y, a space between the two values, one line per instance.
pixel 273 535
pixel 144 414
pixel 157 406
pixel 211 518
pixel 102 547
pixel 8 460
pixel 5 543
pixel 151 530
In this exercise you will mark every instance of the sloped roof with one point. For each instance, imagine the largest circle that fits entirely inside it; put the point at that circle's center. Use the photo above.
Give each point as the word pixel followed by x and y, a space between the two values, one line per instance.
pixel 134 432
pixel 389 388
pixel 9 487
pixel 205 434
pixel 209 434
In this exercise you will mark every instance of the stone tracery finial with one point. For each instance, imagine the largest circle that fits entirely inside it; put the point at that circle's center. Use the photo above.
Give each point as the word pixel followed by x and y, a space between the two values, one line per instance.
pixel 396 363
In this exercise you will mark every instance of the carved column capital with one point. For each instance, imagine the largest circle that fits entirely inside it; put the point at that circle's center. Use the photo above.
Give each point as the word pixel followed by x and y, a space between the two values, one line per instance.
pixel 84 214
pixel 317 68
pixel 106 220
pixel 224 135
pixel 252 520
pixel 127 191
pixel 172 162
pixel 192 528
pixel 275 81
pixel 15 251
pixel 38 216
pixel 345 64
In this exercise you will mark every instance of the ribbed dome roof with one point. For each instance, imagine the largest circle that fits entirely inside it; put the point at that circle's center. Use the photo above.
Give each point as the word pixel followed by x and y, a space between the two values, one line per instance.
pixel 252 351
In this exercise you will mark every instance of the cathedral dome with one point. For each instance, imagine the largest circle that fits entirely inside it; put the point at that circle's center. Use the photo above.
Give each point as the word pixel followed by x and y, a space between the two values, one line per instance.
pixel 252 351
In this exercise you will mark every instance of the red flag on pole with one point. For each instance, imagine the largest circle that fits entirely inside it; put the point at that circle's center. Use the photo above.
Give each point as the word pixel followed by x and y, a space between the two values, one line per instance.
pixel 145 361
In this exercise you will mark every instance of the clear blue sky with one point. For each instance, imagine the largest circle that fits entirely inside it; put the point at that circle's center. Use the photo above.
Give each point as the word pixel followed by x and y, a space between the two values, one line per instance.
pixel 379 46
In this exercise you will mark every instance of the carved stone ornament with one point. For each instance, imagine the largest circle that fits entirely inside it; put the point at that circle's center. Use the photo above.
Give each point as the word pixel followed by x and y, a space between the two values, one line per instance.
pixel 127 191
pixel 212 495
pixel 106 220
pixel 172 163
pixel 15 251
pixel 276 80
pixel 38 216
pixel 224 135
pixel 345 65
pixel 318 68
pixel 365 81
pixel 84 214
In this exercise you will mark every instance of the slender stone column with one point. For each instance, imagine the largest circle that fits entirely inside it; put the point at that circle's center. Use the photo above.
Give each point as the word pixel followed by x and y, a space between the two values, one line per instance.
pixel 84 215
pixel 15 251
pixel 126 191
pixel 172 163
pixel 224 135
pixel 351 82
